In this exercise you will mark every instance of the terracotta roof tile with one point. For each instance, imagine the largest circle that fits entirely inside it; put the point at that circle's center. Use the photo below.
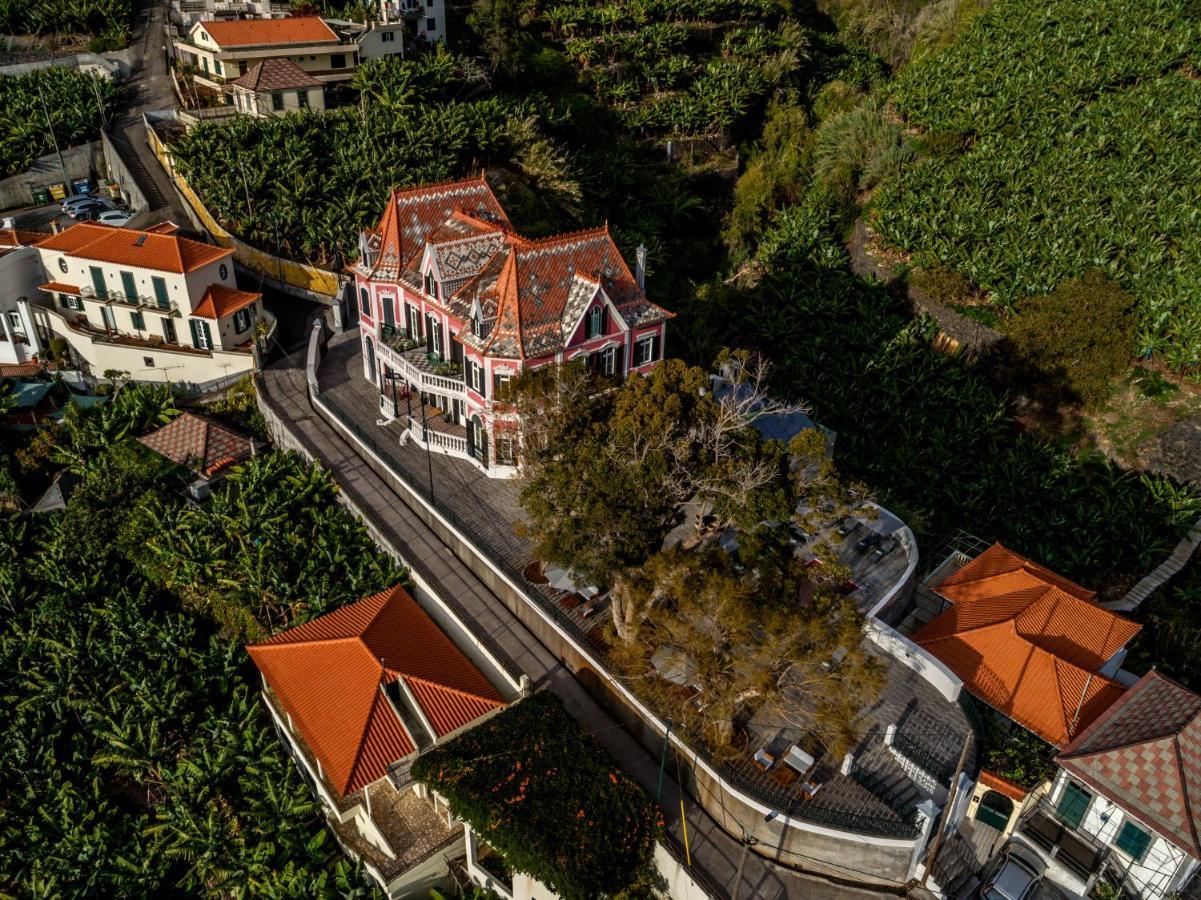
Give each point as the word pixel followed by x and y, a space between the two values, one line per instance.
pixel 265 32
pixel 123 246
pixel 1028 642
pixel 276 75
pixel 329 675
pixel 219 301
pixel 1001 785
pixel 18 237
pixel 199 443
pixel 59 287
pixel 1144 752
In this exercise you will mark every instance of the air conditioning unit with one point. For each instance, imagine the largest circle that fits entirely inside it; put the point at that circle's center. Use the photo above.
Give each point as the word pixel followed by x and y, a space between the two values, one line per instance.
pixel 199 489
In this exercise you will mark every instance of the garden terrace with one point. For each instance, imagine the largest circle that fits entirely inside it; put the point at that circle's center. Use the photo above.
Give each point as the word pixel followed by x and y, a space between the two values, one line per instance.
pixel 409 823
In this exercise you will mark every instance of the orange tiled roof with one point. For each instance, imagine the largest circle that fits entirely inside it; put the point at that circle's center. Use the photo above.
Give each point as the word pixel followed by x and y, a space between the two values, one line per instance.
pixel 330 675
pixel 163 228
pixel 264 32
pixel 219 301
pixel 59 287
pixel 1002 785
pixel 145 249
pixel 1028 642
pixel 17 237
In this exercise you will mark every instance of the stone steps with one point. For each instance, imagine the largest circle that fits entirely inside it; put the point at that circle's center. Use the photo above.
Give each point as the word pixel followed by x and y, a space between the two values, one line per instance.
pixel 1161 574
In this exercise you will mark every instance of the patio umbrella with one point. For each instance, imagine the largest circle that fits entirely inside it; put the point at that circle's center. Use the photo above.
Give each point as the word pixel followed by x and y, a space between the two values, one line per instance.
pixel 562 580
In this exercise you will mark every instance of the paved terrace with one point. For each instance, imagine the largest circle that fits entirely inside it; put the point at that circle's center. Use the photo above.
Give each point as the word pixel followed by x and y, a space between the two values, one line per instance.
pixel 715 854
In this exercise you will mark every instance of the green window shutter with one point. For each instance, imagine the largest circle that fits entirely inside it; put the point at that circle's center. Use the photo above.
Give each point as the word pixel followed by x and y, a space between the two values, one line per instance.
pixel 1133 840
pixel 128 286
pixel 1073 804
pixel 138 322
pixel 208 335
pixel 160 292
pixel 195 326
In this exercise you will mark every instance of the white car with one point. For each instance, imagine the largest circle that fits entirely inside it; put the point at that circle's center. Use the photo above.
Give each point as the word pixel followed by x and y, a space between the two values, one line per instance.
pixel 117 217
pixel 1017 878
pixel 87 211
pixel 68 202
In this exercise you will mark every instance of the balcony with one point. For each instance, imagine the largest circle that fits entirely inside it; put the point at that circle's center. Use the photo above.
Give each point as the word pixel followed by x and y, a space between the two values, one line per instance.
pixel 441 434
pixel 1063 843
pixel 137 302
pixel 409 357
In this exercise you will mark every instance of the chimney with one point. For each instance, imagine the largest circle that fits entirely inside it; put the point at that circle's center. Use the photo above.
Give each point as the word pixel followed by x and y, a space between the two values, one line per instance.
pixel 640 271
pixel 54 225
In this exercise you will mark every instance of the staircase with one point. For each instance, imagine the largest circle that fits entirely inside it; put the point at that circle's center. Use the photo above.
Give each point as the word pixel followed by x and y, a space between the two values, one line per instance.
pixel 879 772
pixel 1162 573
pixel 136 167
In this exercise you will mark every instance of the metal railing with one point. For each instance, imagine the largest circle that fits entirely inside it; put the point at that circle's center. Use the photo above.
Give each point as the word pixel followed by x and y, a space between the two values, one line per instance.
pixel 485 545
pixel 941 769
pixel 120 297
pixel 398 359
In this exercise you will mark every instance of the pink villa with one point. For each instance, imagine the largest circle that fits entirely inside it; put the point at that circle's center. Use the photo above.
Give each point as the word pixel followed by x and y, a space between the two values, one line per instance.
pixel 454 305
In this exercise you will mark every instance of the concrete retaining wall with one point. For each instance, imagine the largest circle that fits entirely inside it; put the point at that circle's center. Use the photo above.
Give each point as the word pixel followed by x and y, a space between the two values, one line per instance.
pixel 119 172
pixel 111 65
pixel 84 161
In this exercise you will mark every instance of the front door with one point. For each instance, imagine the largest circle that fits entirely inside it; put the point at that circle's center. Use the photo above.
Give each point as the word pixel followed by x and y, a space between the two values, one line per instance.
pixel 433 337
pixel 169 331
pixel 458 411
pixel 414 321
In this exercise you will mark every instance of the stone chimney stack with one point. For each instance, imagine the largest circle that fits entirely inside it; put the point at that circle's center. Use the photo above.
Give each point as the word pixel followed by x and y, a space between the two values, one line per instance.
pixel 640 271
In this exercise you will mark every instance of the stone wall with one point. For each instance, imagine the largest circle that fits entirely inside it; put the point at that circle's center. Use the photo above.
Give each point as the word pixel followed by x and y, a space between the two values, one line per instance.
pixel 84 161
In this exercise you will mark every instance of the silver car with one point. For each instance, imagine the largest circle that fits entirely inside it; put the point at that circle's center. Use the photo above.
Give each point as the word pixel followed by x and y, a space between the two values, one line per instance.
pixel 1016 878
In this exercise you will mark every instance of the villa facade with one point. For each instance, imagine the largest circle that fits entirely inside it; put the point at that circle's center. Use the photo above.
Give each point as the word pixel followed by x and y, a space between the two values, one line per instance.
pixel 454 306
pixel 150 303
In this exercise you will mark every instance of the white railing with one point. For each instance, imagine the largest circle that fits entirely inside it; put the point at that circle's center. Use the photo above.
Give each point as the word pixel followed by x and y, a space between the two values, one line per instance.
pixel 448 442
pixel 418 376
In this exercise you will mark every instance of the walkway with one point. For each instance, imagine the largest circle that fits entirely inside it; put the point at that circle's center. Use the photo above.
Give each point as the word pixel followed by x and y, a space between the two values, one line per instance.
pixel 284 391
pixel 1161 574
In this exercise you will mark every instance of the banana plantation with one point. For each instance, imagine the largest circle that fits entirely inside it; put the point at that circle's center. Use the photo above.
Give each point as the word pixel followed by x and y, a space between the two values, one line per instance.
pixel 1061 137
pixel 107 19
pixel 137 758
pixel 75 103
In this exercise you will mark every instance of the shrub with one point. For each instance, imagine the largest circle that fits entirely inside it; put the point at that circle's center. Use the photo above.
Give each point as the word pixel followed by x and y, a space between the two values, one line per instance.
pixel 548 798
pixel 1080 335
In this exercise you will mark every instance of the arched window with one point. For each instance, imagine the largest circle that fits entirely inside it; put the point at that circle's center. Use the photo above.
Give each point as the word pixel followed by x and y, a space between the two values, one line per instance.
pixel 994 809
pixel 596 321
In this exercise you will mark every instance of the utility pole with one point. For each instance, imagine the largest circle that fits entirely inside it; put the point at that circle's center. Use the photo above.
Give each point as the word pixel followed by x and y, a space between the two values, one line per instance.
pixel 50 126
pixel 946 810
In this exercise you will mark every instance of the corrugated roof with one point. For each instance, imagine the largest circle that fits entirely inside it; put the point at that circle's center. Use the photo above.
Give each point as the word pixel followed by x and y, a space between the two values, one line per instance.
pixel 329 675
pixel 219 301
pixel 276 75
pixel 145 249
pixel 199 443
pixel 265 32
pixel 1144 753
pixel 1028 642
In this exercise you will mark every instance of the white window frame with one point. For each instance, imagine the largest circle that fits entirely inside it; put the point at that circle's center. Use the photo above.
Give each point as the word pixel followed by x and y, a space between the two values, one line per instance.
pixel 608 358
pixel 645 350
pixel 596 321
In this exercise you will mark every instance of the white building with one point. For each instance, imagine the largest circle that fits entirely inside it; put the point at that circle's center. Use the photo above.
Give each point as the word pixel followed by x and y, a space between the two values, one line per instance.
pixel 149 303
pixel 20 275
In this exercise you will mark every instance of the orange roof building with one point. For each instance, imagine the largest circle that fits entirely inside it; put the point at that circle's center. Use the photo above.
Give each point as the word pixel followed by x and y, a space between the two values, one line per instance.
pixel 1029 643
pixel 370 684
pixel 152 303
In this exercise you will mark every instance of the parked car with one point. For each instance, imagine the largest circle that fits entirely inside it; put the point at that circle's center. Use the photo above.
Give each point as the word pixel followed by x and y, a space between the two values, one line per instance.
pixel 117 217
pixel 87 211
pixel 67 203
pixel 1016 878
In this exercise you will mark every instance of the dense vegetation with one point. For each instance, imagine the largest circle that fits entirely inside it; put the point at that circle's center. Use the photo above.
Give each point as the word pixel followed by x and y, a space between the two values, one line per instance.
pixel 1059 137
pixel 548 798
pixel 75 103
pixel 137 757
pixel 106 20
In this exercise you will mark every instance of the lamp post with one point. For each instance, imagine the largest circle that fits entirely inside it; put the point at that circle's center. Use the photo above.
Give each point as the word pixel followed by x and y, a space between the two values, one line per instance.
pixel 425 436
pixel 748 841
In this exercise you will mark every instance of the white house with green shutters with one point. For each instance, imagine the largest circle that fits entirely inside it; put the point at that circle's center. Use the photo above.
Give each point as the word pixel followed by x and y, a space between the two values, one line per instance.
pixel 151 304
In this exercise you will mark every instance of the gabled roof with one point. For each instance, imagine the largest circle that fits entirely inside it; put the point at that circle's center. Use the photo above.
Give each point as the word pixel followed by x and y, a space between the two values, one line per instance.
pixel 266 32
pixel 1144 753
pixel 123 246
pixel 219 301
pixel 412 215
pixel 276 75
pixel 199 443
pixel 19 237
pixel 1028 642
pixel 329 675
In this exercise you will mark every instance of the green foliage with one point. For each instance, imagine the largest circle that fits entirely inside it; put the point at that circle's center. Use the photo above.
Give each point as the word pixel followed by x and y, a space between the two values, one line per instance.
pixel 270 550
pixel 1171 635
pixel 548 798
pixel 927 431
pixel 239 408
pixel 76 102
pixel 107 19
pixel 138 759
pixel 1078 339
pixel 1081 152
pixel 1015 754
pixel 500 28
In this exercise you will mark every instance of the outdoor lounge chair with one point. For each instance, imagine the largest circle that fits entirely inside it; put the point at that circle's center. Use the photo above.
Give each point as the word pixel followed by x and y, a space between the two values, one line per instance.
pixel 870 542
pixel 885 547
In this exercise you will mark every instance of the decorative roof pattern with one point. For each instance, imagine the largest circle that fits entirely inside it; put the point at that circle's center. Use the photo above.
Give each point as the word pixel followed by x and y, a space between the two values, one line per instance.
pixel 220 301
pixel 275 75
pixel 263 32
pixel 199 443
pixel 1144 753
pixel 1028 642
pixel 329 675
pixel 144 249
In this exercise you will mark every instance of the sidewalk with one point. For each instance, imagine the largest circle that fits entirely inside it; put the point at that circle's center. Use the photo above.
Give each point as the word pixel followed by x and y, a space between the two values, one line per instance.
pixel 284 390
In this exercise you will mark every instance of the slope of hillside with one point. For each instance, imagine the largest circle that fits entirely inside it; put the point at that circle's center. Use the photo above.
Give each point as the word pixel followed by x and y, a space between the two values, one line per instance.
pixel 1059 137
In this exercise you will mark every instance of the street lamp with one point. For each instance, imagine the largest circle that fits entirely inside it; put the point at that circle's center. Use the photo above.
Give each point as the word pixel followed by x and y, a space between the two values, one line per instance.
pixel 748 840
